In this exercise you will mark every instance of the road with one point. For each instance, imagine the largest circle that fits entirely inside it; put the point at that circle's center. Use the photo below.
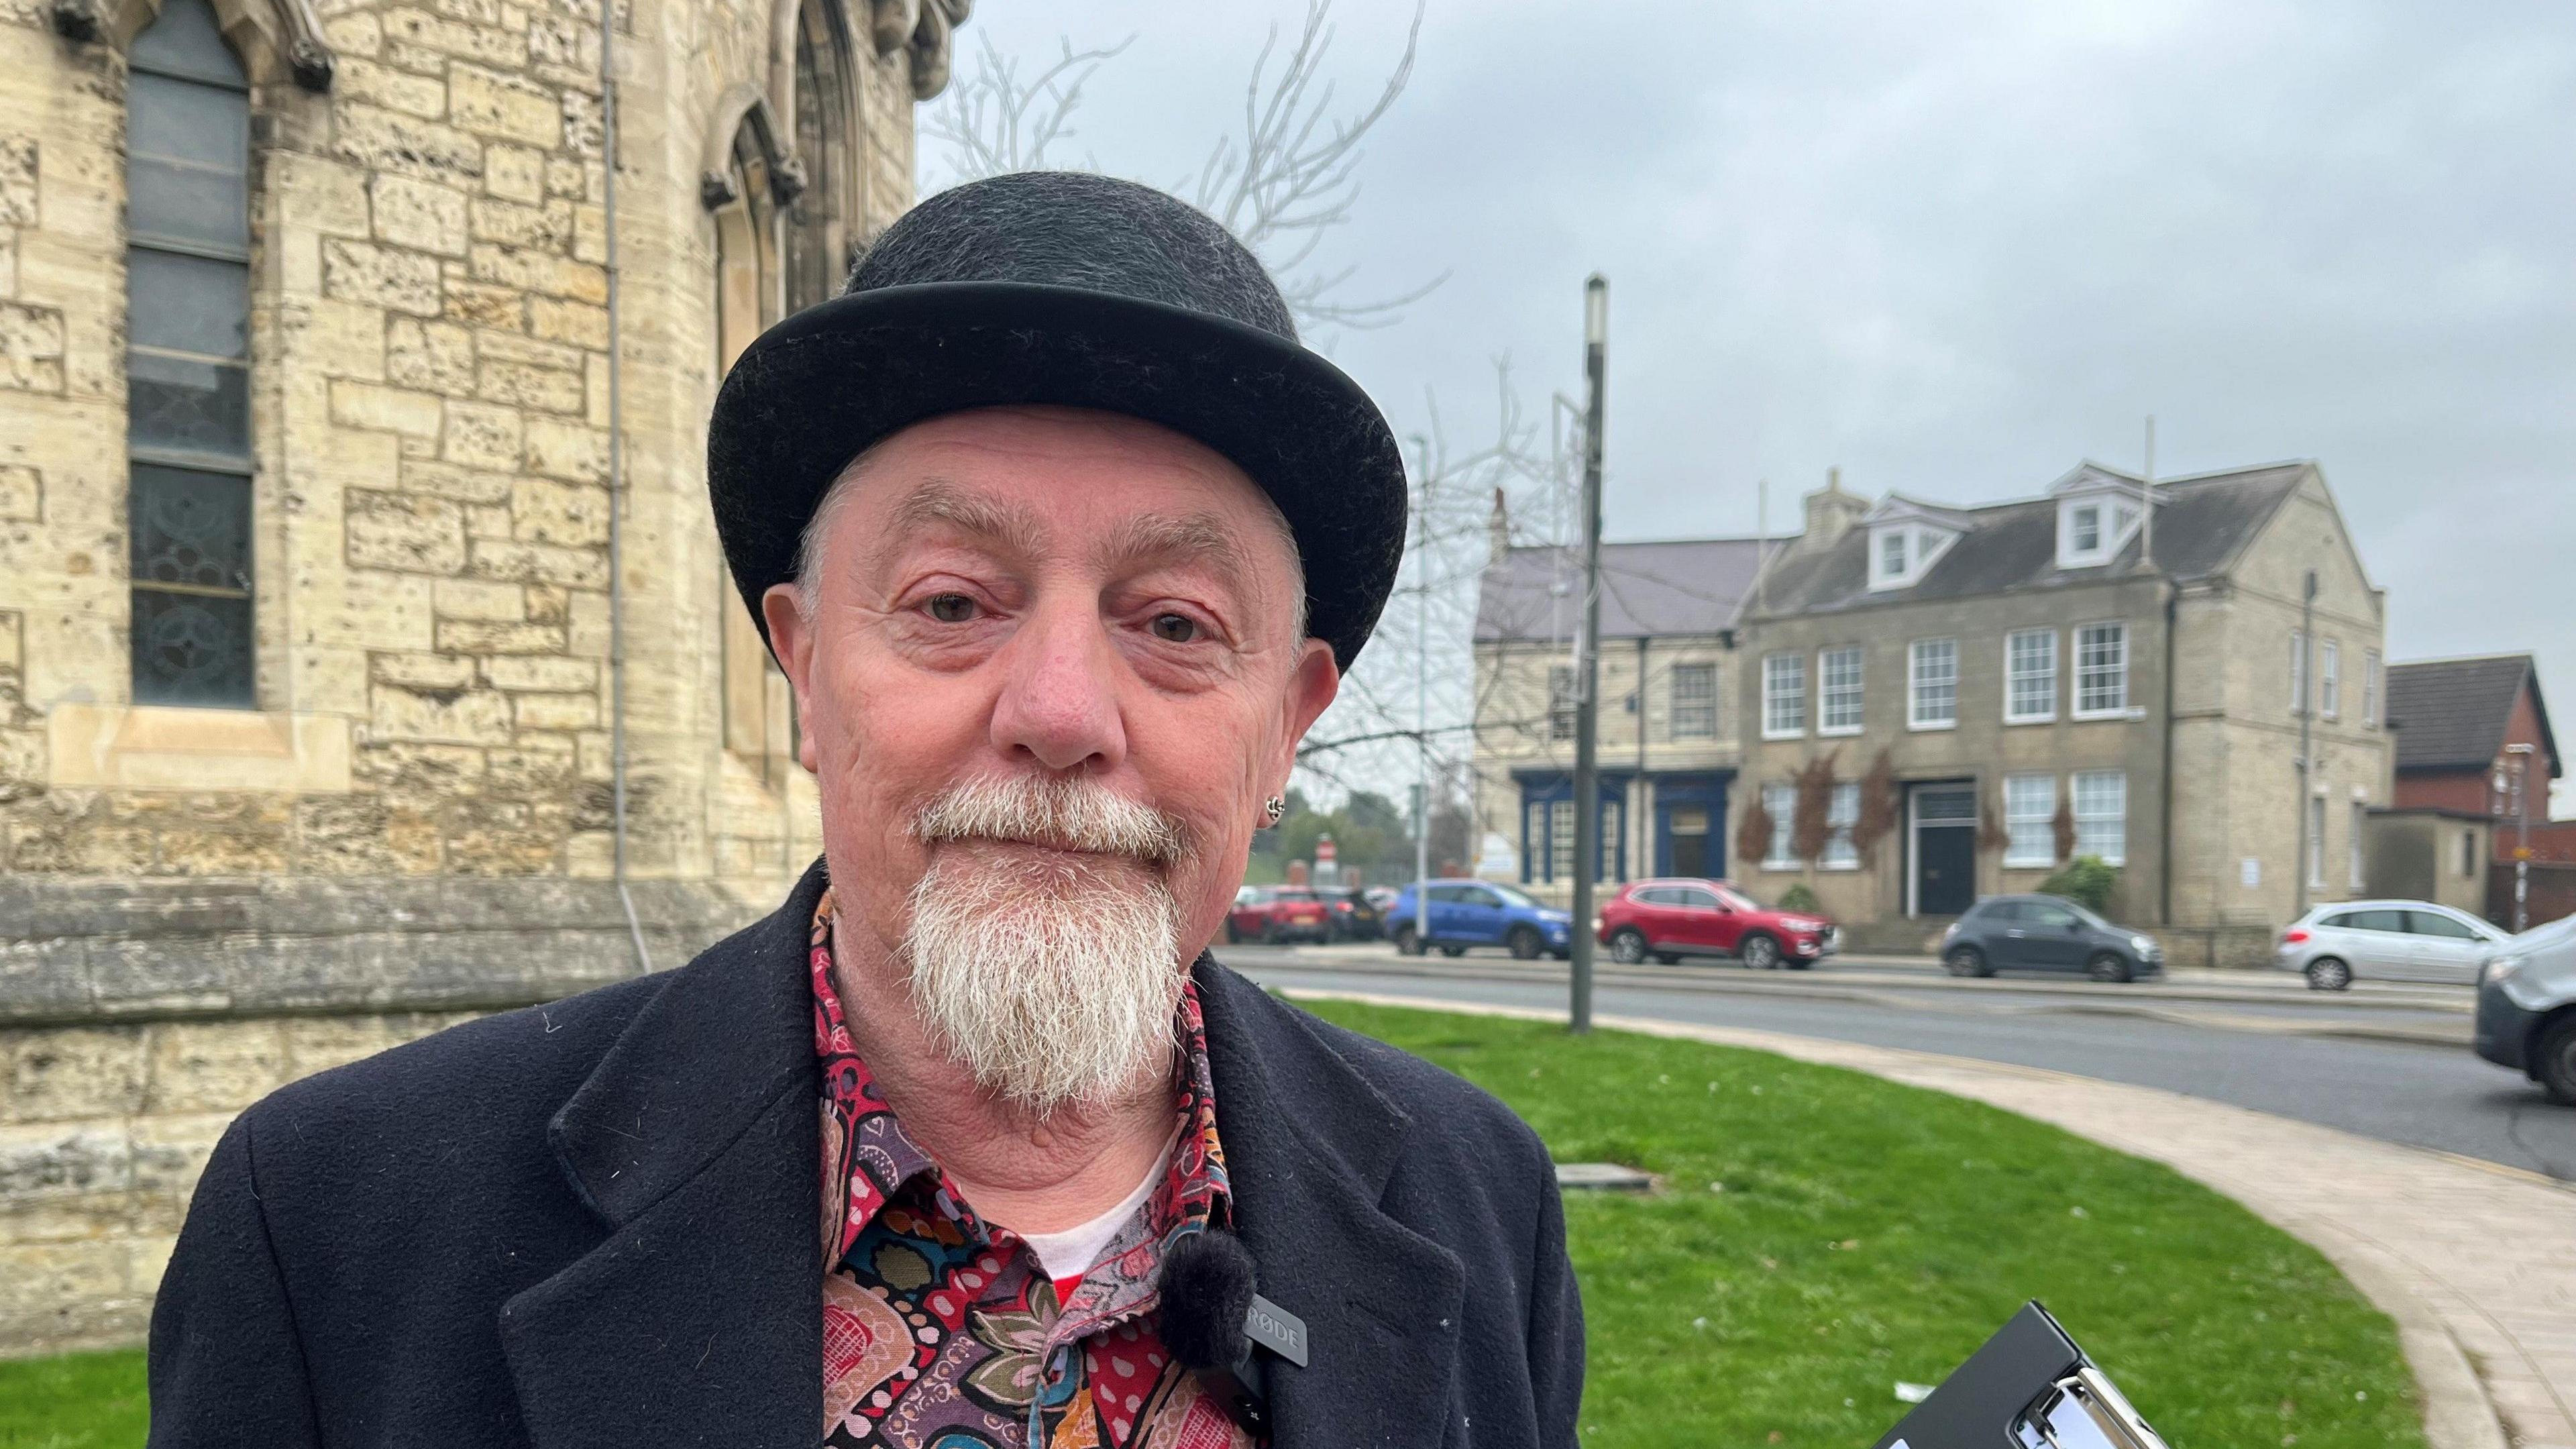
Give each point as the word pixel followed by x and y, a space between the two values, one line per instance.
pixel 2391 1064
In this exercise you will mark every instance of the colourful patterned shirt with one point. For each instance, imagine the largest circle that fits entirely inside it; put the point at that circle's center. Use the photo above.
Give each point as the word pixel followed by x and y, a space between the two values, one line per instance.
pixel 942 1331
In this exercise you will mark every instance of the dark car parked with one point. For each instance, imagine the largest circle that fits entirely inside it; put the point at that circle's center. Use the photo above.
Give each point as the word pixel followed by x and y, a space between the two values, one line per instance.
pixel 2046 933
pixel 1355 916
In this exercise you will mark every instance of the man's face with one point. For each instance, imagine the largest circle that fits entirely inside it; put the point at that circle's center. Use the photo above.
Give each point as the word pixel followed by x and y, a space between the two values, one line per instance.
pixel 1044 601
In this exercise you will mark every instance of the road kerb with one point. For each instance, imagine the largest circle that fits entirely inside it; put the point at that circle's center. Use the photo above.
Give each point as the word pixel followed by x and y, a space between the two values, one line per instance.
pixel 2483 1291
pixel 1875 993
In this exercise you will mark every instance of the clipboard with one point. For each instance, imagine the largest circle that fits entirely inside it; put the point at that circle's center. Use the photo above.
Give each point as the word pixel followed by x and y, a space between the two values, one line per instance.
pixel 2029 1387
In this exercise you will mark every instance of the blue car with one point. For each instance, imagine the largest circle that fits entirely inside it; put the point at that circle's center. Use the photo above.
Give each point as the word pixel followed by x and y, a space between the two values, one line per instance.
pixel 1468 913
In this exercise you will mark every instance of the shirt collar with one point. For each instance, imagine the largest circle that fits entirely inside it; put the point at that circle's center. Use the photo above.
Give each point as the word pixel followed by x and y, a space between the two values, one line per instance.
pixel 868 1158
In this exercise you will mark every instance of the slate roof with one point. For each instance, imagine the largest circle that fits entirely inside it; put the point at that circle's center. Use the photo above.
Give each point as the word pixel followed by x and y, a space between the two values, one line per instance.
pixel 2202 523
pixel 1678 586
pixel 2451 714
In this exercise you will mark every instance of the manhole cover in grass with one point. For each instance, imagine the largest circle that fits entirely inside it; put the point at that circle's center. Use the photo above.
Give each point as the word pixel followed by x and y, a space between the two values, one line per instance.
pixel 1602 1177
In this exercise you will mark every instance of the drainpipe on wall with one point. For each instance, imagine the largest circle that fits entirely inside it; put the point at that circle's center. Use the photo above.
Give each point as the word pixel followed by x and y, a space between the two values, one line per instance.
pixel 616 485
pixel 2165 851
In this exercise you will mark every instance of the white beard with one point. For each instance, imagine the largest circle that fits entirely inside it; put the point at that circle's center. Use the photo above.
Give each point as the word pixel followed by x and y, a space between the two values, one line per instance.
pixel 1052 980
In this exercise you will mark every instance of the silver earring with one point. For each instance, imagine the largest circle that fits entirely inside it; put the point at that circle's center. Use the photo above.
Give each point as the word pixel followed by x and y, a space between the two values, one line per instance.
pixel 1273 809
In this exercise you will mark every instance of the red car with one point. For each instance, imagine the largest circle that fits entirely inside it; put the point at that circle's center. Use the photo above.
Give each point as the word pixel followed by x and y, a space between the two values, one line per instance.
pixel 1670 919
pixel 1274 914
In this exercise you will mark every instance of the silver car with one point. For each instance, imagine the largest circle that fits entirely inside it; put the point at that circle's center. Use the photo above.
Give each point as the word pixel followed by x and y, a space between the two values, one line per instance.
pixel 2527 1007
pixel 2336 945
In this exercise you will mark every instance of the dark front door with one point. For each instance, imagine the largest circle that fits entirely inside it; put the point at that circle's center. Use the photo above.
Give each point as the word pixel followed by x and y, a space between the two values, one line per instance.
pixel 1945 870
pixel 1687 840
pixel 1945 848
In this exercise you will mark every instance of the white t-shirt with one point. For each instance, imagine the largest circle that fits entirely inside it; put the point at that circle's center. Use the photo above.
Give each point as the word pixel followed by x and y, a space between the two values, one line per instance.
pixel 1071 1252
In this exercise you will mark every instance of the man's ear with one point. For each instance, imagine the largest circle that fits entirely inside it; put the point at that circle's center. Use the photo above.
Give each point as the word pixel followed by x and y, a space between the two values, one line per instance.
pixel 791 638
pixel 1312 685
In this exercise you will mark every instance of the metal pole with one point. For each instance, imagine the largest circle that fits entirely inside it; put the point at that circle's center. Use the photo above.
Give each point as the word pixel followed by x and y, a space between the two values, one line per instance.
pixel 1587 669
pixel 616 483
pixel 1422 696
pixel 2307 715
pixel 2147 501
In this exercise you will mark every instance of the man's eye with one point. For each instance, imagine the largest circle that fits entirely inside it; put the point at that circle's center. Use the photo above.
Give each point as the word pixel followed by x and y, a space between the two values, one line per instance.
pixel 1176 628
pixel 952 608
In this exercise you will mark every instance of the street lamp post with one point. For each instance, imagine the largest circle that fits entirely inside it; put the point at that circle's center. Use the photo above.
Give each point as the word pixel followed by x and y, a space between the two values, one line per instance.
pixel 1422 698
pixel 1587 666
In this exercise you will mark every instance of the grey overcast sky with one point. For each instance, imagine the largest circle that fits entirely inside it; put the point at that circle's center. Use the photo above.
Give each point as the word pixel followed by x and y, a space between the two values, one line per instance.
pixel 1955 247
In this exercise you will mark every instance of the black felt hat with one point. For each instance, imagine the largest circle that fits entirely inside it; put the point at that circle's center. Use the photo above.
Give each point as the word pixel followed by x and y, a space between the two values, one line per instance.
pixel 1057 287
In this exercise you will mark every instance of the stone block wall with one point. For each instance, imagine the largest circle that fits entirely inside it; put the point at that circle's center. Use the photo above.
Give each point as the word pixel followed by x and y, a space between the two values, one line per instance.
pixel 415 822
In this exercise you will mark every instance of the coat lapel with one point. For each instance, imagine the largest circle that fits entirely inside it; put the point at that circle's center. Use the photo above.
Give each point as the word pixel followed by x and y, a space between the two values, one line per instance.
pixel 1309 1145
pixel 698 1320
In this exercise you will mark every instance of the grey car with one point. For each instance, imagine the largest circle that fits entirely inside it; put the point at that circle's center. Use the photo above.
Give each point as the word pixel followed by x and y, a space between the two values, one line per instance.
pixel 2527 1007
pixel 2348 941
pixel 2046 933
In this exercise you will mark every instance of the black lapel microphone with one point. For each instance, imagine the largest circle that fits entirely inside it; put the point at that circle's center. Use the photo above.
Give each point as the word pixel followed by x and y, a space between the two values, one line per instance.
pixel 1212 1318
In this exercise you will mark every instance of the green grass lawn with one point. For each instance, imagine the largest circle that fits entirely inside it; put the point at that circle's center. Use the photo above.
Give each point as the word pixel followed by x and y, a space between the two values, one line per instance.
pixel 1865 1233
pixel 76 1401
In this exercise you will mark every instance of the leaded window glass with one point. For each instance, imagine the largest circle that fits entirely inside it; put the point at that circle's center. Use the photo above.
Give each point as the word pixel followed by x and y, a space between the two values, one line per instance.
pixel 1560 701
pixel 187 364
pixel 1780 802
pixel 2031 675
pixel 1842 812
pixel 1784 695
pixel 1838 691
pixel 1933 700
pixel 1694 715
pixel 2030 812
pixel 2102 815
pixel 2101 670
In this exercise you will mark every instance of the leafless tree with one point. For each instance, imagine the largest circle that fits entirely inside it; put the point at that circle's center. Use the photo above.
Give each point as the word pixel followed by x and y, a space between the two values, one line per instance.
pixel 996 120
pixel 1292 177
pixel 1282 187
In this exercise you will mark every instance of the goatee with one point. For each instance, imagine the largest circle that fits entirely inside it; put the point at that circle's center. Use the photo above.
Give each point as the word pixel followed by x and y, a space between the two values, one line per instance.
pixel 1051 974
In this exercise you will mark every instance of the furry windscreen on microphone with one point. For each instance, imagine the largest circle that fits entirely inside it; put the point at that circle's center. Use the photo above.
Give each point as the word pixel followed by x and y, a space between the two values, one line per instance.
pixel 1207 1293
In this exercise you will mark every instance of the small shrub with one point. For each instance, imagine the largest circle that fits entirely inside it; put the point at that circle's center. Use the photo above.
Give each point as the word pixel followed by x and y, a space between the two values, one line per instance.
pixel 2086 881
pixel 1798 898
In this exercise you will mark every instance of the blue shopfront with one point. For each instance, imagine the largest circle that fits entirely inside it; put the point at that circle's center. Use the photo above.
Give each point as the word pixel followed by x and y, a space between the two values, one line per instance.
pixel 1689 825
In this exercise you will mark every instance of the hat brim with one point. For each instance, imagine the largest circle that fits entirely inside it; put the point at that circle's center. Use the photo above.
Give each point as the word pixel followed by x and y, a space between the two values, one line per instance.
pixel 826 384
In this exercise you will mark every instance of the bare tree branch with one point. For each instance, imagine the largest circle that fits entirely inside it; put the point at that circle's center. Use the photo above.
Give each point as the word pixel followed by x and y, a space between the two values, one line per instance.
pixel 1282 187
pixel 992 122
pixel 1293 175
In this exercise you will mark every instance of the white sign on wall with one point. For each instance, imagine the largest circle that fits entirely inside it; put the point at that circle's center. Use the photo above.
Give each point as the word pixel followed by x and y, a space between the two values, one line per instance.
pixel 2250 869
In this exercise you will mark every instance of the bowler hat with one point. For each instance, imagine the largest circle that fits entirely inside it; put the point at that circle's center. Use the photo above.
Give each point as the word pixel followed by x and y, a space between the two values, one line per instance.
pixel 1077 290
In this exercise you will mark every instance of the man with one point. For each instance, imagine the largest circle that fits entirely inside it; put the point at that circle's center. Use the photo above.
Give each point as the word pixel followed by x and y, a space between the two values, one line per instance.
pixel 1063 542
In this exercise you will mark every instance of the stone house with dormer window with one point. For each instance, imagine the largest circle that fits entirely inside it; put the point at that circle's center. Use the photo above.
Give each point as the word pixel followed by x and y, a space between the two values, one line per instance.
pixel 2062 676
pixel 2055 676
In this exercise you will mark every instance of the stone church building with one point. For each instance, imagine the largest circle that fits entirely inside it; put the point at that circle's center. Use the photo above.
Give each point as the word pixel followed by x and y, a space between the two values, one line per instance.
pixel 365 653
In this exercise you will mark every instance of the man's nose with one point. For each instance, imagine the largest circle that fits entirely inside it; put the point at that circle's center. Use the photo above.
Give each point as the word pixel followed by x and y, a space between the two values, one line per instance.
pixel 1059 696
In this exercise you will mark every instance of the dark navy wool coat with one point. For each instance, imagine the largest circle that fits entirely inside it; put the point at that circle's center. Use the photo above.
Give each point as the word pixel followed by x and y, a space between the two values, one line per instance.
pixel 596 1223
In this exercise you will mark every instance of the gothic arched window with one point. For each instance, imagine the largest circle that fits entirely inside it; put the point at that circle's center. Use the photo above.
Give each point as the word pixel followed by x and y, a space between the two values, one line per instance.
pixel 819 235
pixel 187 362
pixel 749 296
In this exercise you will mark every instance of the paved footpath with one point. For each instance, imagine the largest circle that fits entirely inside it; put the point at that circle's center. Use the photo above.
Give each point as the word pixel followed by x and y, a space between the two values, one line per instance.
pixel 2475 1262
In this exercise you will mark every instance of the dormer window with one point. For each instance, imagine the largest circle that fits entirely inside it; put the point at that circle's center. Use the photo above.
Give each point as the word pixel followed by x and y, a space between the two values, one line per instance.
pixel 1902 551
pixel 2092 530
pixel 2097 515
